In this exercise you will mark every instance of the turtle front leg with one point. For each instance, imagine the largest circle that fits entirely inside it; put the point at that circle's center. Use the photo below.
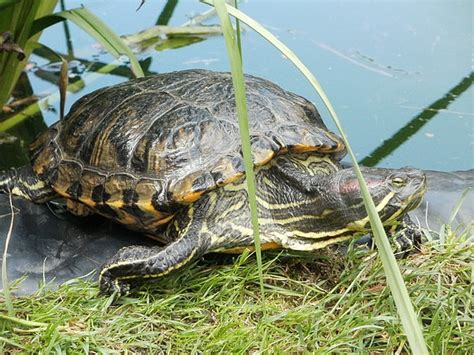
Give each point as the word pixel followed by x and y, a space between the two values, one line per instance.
pixel 25 183
pixel 407 236
pixel 135 264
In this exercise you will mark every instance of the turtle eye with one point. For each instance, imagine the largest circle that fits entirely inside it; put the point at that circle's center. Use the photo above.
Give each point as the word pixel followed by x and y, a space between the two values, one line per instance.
pixel 398 182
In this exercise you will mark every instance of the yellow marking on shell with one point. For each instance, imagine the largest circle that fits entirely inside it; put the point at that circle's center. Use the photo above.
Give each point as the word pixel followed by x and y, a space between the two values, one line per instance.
pixel 117 204
pixel 61 192
pixel 330 149
pixel 231 179
pixel 264 160
pixel 147 206
pixel 123 217
pixel 303 148
pixel 340 147
pixel 189 198
pixel 87 201
pixel 159 222
pixel 127 219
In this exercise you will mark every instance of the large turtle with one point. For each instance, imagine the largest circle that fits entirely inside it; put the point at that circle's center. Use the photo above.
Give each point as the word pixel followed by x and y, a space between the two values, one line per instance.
pixel 162 155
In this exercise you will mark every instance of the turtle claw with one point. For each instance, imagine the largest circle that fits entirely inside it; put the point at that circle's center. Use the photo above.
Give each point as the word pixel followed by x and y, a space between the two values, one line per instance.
pixel 408 238
pixel 403 245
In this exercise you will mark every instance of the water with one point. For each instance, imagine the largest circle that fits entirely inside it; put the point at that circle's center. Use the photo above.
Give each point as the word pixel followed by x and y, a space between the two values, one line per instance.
pixel 398 73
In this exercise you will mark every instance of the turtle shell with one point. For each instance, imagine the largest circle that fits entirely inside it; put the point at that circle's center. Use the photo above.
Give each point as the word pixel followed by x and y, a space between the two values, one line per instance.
pixel 149 145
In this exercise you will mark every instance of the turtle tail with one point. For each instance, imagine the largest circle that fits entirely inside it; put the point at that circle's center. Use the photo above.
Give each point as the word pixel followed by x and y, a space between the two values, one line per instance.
pixel 24 182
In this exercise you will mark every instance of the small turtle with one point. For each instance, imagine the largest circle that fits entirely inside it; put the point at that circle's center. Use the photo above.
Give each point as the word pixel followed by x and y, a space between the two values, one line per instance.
pixel 161 155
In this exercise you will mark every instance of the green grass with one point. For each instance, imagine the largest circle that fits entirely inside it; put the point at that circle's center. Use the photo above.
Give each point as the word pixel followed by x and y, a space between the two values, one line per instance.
pixel 323 302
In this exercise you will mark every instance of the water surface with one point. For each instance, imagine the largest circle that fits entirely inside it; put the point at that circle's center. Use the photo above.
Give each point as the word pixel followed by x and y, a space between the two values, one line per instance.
pixel 398 73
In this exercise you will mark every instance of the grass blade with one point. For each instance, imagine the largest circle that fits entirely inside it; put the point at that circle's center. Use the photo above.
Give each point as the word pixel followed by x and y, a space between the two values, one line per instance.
pixel 5 285
pixel 5 3
pixel 94 26
pixel 456 208
pixel 405 308
pixel 33 109
pixel 233 53
pixel 167 12
pixel 237 29
pixel 17 17
pixel 63 83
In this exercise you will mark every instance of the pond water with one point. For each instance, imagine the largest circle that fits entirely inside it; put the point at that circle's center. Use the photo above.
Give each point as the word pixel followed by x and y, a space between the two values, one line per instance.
pixel 398 73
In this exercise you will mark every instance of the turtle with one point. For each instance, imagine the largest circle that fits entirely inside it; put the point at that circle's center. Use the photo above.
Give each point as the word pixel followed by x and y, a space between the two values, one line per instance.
pixel 161 155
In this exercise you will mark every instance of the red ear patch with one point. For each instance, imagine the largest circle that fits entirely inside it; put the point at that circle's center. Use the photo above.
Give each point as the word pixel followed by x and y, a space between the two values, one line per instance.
pixel 352 185
pixel 349 186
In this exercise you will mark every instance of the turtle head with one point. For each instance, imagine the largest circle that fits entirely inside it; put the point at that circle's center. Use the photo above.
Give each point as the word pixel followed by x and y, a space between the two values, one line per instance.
pixel 394 191
pixel 408 186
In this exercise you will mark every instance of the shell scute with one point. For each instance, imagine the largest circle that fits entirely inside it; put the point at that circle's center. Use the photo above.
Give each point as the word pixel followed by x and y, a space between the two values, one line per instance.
pixel 155 143
pixel 68 178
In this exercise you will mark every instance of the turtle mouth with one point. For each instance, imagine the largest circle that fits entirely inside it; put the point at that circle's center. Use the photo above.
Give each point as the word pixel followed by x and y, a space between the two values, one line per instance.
pixel 392 215
pixel 415 199
pixel 410 200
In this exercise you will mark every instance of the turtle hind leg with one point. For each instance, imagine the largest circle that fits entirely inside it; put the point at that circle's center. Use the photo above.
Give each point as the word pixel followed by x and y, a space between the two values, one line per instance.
pixel 135 264
pixel 25 183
